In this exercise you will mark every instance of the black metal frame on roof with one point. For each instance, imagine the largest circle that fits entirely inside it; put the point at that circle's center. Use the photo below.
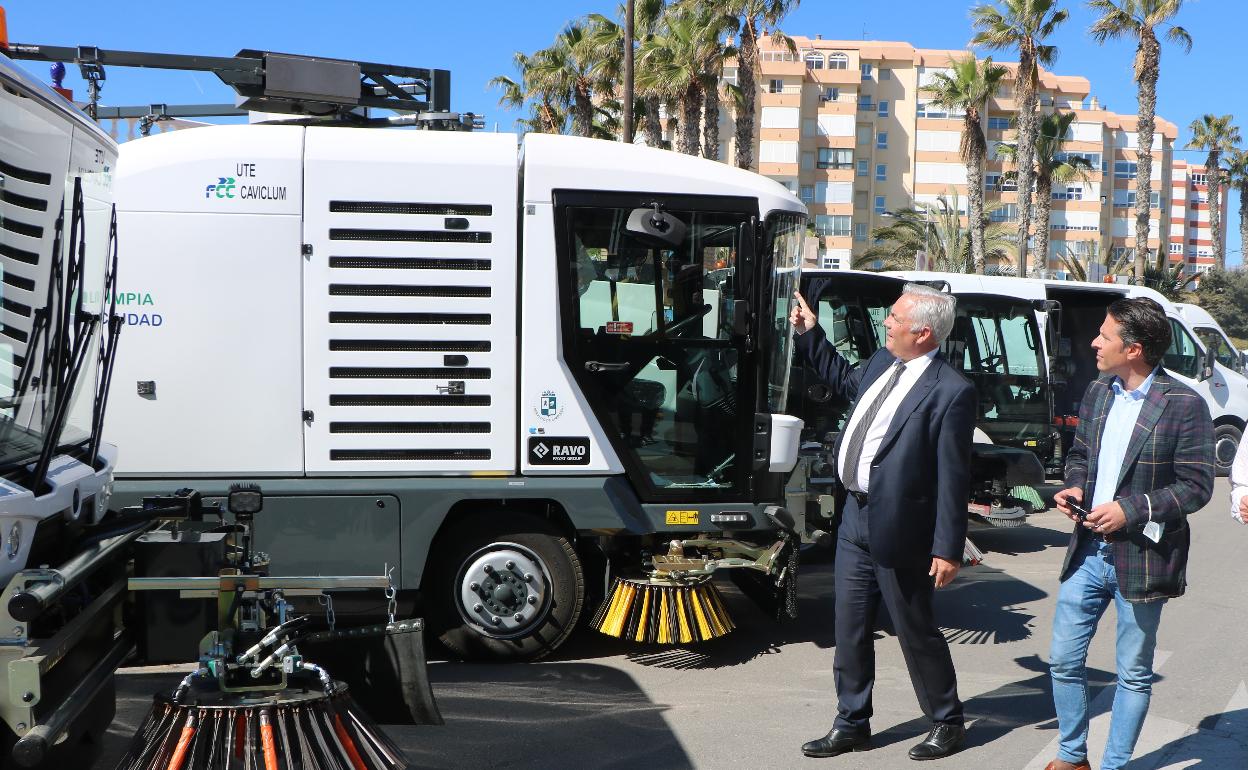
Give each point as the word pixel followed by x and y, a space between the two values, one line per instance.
pixel 270 81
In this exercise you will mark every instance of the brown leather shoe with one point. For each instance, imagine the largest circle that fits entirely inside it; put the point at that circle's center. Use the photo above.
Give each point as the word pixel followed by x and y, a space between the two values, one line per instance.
pixel 1061 764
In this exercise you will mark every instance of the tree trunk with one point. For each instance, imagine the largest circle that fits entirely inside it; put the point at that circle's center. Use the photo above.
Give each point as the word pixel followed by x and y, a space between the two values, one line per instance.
pixel 1148 67
pixel 747 66
pixel 975 188
pixel 1026 152
pixel 1243 217
pixel 653 124
pixel 583 111
pixel 690 114
pixel 1044 213
pixel 1213 175
pixel 710 121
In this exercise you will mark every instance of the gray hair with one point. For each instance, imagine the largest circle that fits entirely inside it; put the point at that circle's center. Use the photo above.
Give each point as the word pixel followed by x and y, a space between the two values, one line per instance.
pixel 932 308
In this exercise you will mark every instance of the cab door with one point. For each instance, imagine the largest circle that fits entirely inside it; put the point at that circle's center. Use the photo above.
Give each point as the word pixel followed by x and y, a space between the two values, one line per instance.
pixel 660 338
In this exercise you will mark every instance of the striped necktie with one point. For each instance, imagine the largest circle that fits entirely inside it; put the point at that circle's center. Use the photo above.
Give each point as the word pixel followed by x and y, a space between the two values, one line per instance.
pixel 853 451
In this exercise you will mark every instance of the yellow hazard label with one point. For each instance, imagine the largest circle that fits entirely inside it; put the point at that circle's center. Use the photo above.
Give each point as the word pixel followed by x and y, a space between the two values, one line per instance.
pixel 682 517
pixel 1031 443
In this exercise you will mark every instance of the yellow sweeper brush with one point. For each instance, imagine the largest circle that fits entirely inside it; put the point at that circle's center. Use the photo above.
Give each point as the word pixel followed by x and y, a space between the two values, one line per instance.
pixel 663 611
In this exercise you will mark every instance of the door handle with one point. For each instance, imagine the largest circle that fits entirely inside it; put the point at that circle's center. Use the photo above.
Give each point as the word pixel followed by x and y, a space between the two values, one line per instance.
pixel 606 366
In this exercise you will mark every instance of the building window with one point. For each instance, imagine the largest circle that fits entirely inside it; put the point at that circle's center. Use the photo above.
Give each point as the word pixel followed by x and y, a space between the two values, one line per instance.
pixel 836 225
pixel 1176 248
pixel 881 140
pixel 1125 199
pixel 864 167
pixel 886 74
pixel 808 193
pixel 814 60
pixel 830 94
pixel 1007 213
pixel 838 61
pixel 808 160
pixel 1124 169
pixel 883 109
pixel 1201 179
pixel 879 204
pixel 1093 159
pixel 1070 192
pixel 998 124
pixel 860 232
pixel 860 200
pixel 881 172
pixel 730 75
pixel 834 158
pixel 998 182
pixel 864 134
pixel 776 86
pixel 864 103
pixel 866 70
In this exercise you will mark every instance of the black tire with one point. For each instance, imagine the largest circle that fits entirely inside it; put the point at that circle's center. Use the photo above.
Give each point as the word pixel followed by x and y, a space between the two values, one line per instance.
pixel 1226 440
pixel 563 586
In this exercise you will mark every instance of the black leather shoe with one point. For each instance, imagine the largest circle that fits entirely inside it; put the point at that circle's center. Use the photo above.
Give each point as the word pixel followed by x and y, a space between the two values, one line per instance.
pixel 838 742
pixel 943 740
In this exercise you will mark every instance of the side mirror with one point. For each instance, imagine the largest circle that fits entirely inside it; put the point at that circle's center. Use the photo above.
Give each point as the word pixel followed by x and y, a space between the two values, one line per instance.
pixel 1207 366
pixel 740 317
pixel 655 227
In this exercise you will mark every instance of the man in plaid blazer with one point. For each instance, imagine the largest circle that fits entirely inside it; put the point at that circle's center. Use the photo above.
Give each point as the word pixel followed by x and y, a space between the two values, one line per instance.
pixel 1142 460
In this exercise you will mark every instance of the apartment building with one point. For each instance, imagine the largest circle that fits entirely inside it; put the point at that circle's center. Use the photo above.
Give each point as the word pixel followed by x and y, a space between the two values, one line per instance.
pixel 1191 236
pixel 847 127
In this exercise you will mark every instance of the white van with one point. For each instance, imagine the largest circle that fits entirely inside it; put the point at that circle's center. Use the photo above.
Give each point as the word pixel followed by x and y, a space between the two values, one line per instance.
pixel 1212 335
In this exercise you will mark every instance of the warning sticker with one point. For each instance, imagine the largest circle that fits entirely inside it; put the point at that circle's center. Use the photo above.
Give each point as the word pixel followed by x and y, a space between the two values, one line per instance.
pixel 682 518
pixel 619 327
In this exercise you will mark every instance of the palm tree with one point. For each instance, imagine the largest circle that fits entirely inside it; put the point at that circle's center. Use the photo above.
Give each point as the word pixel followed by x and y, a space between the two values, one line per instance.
pixel 1237 176
pixel 937 230
pixel 675 62
pixel 608 45
pixel 1111 265
pixel 569 67
pixel 1021 25
pixel 1051 165
pixel 548 114
pixel 1139 19
pixel 966 90
pixel 1168 279
pixel 1217 135
pixel 754 16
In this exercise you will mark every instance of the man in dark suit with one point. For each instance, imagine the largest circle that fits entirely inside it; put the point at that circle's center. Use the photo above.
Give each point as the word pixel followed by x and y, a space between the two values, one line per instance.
pixel 903 459
pixel 1141 461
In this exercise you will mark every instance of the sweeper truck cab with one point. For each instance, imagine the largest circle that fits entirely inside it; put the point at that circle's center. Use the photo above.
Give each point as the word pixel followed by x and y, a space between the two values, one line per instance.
pixel 512 370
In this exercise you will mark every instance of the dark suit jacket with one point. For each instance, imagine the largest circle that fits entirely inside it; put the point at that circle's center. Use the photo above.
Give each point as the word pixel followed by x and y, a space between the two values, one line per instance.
pixel 920 477
pixel 1169 465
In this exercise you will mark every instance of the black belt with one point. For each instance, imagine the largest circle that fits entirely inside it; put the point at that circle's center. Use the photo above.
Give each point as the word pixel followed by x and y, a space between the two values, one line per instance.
pixel 860 497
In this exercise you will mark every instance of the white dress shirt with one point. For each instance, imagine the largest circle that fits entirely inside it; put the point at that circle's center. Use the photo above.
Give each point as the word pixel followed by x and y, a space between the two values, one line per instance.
pixel 1239 479
pixel 914 368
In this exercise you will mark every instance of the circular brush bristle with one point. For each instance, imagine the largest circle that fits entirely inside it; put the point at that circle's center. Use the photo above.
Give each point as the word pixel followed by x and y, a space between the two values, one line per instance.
pixel 643 611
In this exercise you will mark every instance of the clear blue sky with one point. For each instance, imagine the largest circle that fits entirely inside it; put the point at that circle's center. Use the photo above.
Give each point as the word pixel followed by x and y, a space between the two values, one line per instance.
pixel 475 39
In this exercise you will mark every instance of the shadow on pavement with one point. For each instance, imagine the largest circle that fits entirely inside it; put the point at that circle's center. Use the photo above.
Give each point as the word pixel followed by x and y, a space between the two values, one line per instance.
pixel 1027 703
pixel 1220 741
pixel 1025 539
pixel 982 607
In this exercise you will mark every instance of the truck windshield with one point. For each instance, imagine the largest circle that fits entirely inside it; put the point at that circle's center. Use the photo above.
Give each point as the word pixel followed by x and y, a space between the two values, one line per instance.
pixel 784 250
pixel 1001 354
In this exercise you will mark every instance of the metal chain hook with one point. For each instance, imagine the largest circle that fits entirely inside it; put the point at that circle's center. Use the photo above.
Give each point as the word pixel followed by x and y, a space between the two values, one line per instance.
pixel 327 601
pixel 391 592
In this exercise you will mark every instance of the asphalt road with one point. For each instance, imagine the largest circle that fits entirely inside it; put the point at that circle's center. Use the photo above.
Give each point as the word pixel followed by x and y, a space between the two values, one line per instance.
pixel 752 698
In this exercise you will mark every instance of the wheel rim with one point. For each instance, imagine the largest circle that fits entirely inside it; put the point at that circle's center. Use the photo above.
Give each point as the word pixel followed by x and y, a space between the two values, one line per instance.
pixel 503 590
pixel 1224 450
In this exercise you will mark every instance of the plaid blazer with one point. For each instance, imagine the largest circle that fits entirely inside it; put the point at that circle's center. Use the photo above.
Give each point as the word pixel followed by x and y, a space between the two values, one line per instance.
pixel 1169 466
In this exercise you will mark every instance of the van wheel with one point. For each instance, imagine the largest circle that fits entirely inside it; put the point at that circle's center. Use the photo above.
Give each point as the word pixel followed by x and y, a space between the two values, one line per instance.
pixel 505 587
pixel 1226 440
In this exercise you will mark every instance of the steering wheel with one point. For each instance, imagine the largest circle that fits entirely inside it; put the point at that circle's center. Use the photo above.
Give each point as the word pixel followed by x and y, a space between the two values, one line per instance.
pixel 682 323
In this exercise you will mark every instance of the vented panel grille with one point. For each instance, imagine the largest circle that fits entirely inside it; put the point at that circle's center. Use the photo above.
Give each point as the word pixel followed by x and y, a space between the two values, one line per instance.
pixel 392 290
pixel 406 373
pixel 27 216
pixel 407 263
pixel 411 346
pixel 409 427
pixel 21 228
pixel 18 282
pixel 420 236
pixel 16 307
pixel 24 174
pixel 23 201
pixel 385 207
pixel 409 296
pixel 21 255
pixel 409 454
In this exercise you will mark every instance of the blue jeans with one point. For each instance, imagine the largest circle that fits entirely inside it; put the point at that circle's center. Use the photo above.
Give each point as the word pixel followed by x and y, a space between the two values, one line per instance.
pixel 1080 603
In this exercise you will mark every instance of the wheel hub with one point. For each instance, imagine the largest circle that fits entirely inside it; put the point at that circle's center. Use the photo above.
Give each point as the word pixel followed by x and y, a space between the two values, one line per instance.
pixel 1224 450
pixel 503 590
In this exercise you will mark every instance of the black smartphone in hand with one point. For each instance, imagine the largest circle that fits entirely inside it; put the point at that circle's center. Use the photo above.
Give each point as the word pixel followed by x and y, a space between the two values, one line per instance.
pixel 1078 509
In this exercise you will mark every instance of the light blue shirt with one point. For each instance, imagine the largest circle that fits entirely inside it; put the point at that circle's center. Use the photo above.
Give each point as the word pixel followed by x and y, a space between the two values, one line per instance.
pixel 1119 425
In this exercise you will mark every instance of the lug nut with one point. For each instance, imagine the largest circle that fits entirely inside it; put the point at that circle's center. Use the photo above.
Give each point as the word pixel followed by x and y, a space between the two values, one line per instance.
pixel 497 620
pixel 532 599
pixel 528 577
pixel 474 587
pixel 511 564
pixel 519 617
pixel 477 608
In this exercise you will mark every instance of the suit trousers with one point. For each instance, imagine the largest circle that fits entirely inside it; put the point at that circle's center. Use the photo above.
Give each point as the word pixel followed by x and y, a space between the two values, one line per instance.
pixel 861 584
